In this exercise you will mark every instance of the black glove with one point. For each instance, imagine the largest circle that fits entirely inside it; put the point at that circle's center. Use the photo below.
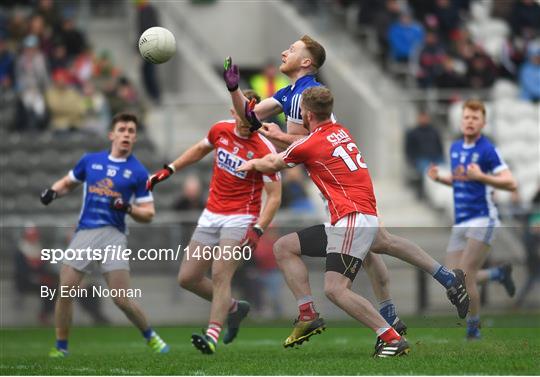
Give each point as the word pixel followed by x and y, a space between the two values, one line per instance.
pixel 118 204
pixel 47 196
pixel 250 115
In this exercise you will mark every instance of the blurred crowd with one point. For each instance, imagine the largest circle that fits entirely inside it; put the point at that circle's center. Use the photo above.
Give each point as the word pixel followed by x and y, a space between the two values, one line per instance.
pixel 51 77
pixel 457 43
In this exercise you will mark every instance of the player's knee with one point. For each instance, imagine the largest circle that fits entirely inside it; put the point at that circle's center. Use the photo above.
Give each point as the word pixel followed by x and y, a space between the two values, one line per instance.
pixel 187 280
pixel 383 242
pixel 282 249
pixel 332 290
pixel 220 276
pixel 122 303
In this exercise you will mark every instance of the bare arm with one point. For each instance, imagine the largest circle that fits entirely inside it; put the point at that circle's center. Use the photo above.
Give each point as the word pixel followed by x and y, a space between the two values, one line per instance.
pixel 281 139
pixel 143 212
pixel 270 163
pixel 192 155
pixel 503 180
pixel 273 201
pixel 433 173
pixel 266 108
pixel 64 185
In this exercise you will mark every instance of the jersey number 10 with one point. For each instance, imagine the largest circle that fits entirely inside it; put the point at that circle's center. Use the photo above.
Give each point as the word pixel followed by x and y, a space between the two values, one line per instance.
pixel 346 157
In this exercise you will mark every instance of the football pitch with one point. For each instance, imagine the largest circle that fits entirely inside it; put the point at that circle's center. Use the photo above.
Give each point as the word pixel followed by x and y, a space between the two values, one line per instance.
pixel 510 345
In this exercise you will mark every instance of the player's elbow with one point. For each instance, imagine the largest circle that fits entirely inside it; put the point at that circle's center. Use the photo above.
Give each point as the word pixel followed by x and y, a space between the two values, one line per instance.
pixel 512 185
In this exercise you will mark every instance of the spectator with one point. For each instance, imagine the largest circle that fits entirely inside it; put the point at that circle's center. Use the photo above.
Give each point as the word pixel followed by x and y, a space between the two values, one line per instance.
pixel 83 66
pixel 404 36
pixel 294 193
pixel 65 104
pixel 41 30
pixel 268 82
pixel 450 77
pixel 431 60
pixel 525 17
pixel 73 39
pixel 8 104
pixel 17 27
pixel 124 97
pixel 481 71
pixel 383 20
pixel 47 9
pixel 147 17
pixel 529 75
pixel 97 113
pixel 423 146
pixel 447 15
pixel 58 58
pixel 192 196
pixel 7 61
pixel 271 280
pixel 32 80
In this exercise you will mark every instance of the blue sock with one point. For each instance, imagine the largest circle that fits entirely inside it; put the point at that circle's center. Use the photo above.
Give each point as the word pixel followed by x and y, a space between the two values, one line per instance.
pixel 388 311
pixel 443 275
pixel 496 274
pixel 473 325
pixel 62 344
pixel 148 333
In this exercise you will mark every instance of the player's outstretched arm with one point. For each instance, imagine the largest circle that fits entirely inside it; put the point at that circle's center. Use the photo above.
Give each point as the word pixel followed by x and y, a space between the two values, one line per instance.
pixel 503 180
pixel 192 155
pixel 60 188
pixel 433 173
pixel 281 139
pixel 270 163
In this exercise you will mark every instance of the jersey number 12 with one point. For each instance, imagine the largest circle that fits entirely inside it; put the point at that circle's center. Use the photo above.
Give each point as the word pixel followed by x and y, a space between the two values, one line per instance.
pixel 346 157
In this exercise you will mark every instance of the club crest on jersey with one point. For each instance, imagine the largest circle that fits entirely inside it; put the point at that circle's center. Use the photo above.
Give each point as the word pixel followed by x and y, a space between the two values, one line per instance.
pixel 250 154
pixel 230 162
pixel 338 137
pixel 127 173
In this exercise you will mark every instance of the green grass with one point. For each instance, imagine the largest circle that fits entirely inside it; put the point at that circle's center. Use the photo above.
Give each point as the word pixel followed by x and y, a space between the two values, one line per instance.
pixel 510 346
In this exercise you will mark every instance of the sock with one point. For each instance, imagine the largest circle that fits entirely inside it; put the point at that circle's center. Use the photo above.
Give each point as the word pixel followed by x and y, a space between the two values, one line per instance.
pixel 307 308
pixel 443 275
pixel 213 331
pixel 496 274
pixel 61 344
pixel 148 333
pixel 388 311
pixel 388 334
pixel 473 324
pixel 234 305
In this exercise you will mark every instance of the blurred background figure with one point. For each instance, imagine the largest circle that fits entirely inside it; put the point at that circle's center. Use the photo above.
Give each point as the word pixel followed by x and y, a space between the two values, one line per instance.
pixel 268 82
pixel 529 75
pixel 191 197
pixel 66 105
pixel 271 280
pixel 294 195
pixel 404 36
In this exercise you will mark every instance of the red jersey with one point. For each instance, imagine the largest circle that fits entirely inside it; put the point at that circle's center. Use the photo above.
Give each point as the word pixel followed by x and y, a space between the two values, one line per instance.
pixel 233 192
pixel 337 168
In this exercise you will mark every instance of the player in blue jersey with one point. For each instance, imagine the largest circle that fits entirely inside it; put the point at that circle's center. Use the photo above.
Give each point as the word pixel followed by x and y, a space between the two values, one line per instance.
pixel 477 168
pixel 111 179
pixel 301 63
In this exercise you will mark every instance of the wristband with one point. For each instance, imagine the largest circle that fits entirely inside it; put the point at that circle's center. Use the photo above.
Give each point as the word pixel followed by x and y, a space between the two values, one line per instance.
pixel 258 229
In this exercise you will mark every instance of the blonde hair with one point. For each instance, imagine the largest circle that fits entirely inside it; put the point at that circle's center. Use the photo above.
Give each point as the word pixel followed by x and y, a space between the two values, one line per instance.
pixel 475 105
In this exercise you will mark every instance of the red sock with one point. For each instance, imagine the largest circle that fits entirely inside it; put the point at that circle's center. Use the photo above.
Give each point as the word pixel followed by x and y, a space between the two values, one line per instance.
pixel 213 331
pixel 390 335
pixel 307 311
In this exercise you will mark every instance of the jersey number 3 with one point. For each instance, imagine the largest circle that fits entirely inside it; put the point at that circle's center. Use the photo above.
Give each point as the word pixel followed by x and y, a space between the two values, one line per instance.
pixel 346 157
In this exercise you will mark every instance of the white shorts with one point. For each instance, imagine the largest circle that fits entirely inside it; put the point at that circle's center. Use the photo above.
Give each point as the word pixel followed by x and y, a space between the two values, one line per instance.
pixel 479 228
pixel 213 227
pixel 98 238
pixel 352 235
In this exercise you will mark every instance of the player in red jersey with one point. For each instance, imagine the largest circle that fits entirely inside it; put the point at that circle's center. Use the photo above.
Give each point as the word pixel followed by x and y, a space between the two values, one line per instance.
pixel 337 168
pixel 231 221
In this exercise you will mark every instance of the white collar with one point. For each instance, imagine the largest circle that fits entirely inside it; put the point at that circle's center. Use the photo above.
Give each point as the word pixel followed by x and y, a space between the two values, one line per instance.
pixel 115 159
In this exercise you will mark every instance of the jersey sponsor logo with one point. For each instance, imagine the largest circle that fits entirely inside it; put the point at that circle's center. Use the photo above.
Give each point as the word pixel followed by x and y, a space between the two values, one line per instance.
pixel 230 162
pixel 338 137
pixel 103 187
pixel 97 167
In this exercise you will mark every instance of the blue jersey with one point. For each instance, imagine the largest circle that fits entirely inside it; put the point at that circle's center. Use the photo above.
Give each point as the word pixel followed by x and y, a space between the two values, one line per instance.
pixel 106 177
pixel 290 96
pixel 472 198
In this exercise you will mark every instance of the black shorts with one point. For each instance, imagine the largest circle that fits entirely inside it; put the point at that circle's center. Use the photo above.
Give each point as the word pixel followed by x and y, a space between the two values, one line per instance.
pixel 313 243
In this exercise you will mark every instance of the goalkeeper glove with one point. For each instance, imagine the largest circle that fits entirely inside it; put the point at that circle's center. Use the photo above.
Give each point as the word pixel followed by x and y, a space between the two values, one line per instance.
pixel 253 236
pixel 118 204
pixel 251 116
pixel 159 176
pixel 231 75
pixel 47 196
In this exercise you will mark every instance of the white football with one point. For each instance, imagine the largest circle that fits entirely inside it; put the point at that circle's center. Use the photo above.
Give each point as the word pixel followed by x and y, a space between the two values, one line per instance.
pixel 157 45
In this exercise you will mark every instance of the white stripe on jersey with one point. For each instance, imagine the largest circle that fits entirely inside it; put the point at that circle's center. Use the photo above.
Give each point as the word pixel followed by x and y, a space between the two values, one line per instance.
pixel 335 179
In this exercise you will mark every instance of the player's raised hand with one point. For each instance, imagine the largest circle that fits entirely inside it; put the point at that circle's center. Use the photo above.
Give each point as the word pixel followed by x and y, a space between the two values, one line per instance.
pixel 231 74
pixel 249 113
pixel 159 176
pixel 252 238
pixel 47 196
pixel 270 130
pixel 118 204
pixel 433 172
pixel 474 172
